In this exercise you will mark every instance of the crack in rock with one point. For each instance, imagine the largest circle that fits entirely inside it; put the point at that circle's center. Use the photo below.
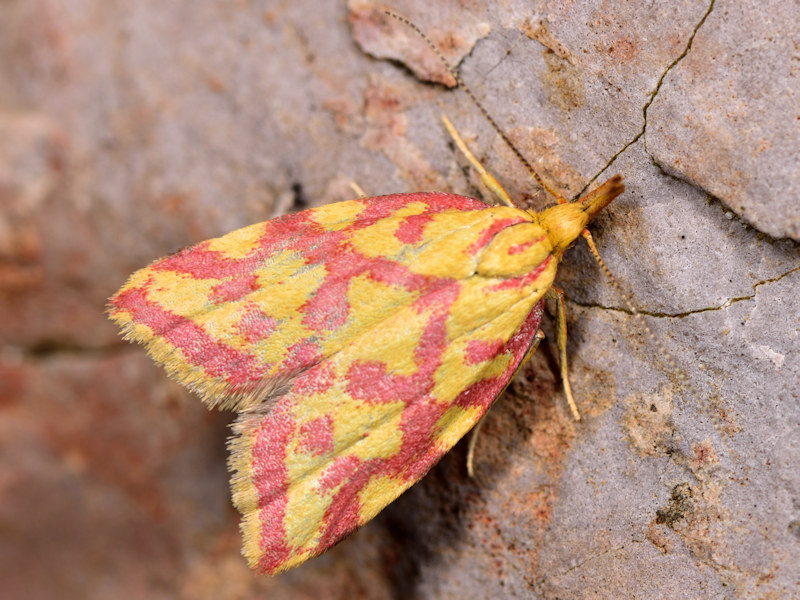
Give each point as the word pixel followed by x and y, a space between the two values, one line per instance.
pixel 680 315
pixel 653 95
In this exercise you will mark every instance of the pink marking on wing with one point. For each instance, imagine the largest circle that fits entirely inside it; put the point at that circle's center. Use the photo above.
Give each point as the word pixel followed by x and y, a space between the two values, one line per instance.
pixel 519 283
pixel 414 458
pixel 342 516
pixel 478 351
pixel 417 454
pixel 369 380
pixel 273 533
pixel 269 475
pixel 318 249
pixel 233 289
pixel 418 451
pixel 412 228
pixel 386 206
pixel 433 341
pixel 256 326
pixel 483 393
pixel 440 299
pixel 216 358
pixel 301 356
pixel 341 470
pixel 316 380
pixel 296 232
pixel 379 208
pixel 199 263
pixel 316 437
pixel 390 272
pixel 441 202
pixel 328 309
pixel 299 233
pixel 488 234
pixel 295 228
pixel 520 248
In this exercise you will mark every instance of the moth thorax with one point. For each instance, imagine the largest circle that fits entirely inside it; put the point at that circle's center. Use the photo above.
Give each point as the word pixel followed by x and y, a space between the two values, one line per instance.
pixel 515 251
pixel 563 223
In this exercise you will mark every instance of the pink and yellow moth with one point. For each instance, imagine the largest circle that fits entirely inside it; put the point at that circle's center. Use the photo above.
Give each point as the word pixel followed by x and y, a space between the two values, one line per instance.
pixel 359 341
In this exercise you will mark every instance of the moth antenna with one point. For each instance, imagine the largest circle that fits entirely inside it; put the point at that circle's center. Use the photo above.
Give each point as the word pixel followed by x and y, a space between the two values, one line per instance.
pixel 357 189
pixel 455 75
pixel 488 179
pixel 673 367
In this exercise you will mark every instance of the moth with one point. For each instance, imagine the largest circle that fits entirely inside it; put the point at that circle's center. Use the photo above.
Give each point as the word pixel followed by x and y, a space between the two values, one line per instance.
pixel 358 342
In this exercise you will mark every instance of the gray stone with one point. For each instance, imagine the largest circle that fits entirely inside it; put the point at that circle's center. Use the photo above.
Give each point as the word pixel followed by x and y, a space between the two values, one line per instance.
pixel 727 116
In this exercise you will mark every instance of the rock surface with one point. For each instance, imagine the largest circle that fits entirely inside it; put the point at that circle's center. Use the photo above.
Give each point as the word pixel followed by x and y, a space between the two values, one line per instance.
pixel 129 130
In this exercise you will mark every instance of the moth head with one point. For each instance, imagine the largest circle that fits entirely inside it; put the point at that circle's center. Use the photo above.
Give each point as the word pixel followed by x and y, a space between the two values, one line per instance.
pixel 565 222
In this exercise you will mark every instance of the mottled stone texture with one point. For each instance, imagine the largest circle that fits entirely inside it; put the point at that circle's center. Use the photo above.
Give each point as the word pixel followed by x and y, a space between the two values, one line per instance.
pixel 128 130
pixel 727 117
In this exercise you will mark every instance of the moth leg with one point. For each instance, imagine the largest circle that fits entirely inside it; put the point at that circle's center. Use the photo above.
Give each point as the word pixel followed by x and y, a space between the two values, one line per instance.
pixel 561 343
pixel 473 438
pixel 357 189
pixel 487 178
